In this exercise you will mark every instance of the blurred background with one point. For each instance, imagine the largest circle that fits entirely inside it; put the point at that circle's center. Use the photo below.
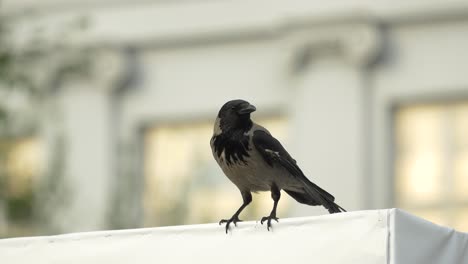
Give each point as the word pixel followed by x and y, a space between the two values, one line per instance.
pixel 107 107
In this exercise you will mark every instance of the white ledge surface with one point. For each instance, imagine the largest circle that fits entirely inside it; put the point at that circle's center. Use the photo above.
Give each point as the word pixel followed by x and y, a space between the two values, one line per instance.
pixel 379 236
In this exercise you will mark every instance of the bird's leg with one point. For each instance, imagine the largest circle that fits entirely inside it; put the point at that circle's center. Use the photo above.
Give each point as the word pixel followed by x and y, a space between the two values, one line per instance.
pixel 275 195
pixel 247 197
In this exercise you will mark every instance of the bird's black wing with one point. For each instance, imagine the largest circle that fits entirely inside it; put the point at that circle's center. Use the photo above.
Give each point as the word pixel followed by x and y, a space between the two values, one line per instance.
pixel 274 154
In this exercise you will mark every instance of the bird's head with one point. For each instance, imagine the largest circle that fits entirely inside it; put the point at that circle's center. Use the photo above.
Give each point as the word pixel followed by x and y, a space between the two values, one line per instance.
pixel 235 114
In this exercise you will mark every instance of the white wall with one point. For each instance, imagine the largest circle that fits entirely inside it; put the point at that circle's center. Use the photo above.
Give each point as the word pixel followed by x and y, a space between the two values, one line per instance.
pixel 196 81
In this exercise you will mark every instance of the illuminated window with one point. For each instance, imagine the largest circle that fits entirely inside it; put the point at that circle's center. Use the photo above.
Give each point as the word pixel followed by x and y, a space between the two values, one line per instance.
pixel 21 164
pixel 431 162
pixel 183 183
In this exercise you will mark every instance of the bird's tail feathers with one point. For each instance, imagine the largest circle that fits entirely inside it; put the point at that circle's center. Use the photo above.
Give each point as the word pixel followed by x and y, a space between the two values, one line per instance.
pixel 323 197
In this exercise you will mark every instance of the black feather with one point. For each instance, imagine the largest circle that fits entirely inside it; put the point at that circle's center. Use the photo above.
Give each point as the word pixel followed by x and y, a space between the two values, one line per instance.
pixel 235 146
pixel 275 155
pixel 301 197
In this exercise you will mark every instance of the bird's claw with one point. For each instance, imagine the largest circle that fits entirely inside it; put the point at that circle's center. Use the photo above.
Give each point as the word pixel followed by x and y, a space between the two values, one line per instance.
pixel 268 219
pixel 233 220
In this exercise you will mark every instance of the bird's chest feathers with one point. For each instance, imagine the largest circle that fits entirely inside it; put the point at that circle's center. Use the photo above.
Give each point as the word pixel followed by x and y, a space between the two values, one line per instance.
pixel 232 148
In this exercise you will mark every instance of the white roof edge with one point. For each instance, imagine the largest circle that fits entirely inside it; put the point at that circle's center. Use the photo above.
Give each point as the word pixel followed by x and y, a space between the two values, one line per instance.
pixel 416 240
pixel 386 236
pixel 212 228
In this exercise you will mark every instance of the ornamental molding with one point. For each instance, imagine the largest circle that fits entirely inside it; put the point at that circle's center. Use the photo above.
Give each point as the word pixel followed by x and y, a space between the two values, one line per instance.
pixel 356 43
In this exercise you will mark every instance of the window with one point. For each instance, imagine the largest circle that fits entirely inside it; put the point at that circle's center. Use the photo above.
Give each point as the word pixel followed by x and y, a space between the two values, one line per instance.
pixel 20 164
pixel 183 183
pixel 431 162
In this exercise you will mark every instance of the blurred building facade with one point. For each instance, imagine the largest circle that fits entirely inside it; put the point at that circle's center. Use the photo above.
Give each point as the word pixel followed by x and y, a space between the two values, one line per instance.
pixel 370 98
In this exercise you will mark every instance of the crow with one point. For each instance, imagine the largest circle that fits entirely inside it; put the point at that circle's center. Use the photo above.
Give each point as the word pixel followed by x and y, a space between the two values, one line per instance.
pixel 255 161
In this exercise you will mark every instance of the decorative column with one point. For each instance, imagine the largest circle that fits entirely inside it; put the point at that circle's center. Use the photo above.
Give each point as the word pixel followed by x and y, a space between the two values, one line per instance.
pixel 88 145
pixel 330 114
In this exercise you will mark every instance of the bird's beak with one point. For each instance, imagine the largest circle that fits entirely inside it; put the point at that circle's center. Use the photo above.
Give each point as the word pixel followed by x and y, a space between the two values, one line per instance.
pixel 247 109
